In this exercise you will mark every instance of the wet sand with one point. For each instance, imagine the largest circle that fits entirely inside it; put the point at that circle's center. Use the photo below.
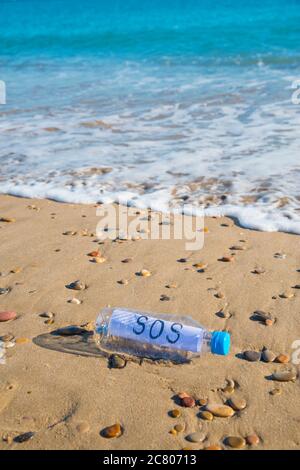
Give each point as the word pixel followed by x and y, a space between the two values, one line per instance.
pixel 65 400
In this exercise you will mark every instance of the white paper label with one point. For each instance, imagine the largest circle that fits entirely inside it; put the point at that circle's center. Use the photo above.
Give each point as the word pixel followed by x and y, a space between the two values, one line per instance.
pixel 147 329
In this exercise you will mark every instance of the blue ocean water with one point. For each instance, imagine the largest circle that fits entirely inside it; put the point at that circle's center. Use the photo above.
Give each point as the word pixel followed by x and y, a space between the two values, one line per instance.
pixel 156 102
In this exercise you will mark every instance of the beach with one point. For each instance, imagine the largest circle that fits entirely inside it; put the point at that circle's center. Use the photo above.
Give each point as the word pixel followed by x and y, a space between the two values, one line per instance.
pixel 56 398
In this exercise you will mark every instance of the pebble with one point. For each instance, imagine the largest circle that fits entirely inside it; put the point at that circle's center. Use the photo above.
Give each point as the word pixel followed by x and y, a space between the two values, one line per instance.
pixel 268 355
pixel 237 403
pixel 224 314
pixel 227 259
pixel 259 270
pixel 82 427
pixel 221 411
pixel 252 356
pixel 47 315
pixel 145 273
pixel 24 437
pixel 263 317
pixel 75 301
pixel 280 255
pixel 285 376
pixel 206 415
pixel 16 270
pixel 173 432
pixel 213 447
pixel 283 358
pixel 179 427
pixel 4 290
pixel 9 220
pixel 175 413
pixel 112 431
pixel 6 338
pixel 99 260
pixel 70 331
pixel 203 401
pixel 126 260
pixel 188 402
pixel 235 442
pixel 287 295
pixel 117 362
pixel 238 248
pixel 22 340
pixel 252 440
pixel 123 282
pixel 7 438
pixel 220 295
pixel 182 260
pixel 276 391
pixel 70 232
pixel 77 285
pixel 94 254
pixel 173 285
pixel 6 316
pixel 195 437
pixel 201 266
pixel 297 286
pixel 164 298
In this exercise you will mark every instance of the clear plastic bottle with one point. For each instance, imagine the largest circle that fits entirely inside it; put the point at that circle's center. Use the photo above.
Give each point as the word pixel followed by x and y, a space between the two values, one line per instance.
pixel 156 336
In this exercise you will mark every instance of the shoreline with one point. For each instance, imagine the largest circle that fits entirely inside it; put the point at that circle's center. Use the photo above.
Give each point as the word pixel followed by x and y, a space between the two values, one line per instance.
pixel 62 398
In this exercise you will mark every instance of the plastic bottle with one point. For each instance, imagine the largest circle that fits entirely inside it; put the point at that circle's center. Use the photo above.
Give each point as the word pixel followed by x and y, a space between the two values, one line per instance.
pixel 163 336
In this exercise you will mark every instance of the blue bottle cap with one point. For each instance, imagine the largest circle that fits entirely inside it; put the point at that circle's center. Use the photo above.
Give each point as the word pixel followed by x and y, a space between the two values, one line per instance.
pixel 220 343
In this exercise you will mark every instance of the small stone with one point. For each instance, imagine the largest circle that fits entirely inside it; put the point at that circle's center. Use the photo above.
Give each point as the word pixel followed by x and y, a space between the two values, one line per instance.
pixel 83 427
pixel 94 254
pixel 237 403
pixel 69 331
pixel 188 402
pixel 173 432
pixel 228 389
pixel 206 415
pixel 124 282
pixel 269 322
pixel 287 295
pixel 175 413
pixel 235 442
pixel 164 298
pixel 220 295
pixel 173 285
pixel 263 317
pixel 252 440
pixel 47 315
pixel 112 431
pixel 117 362
pixel 276 391
pixel 213 447
pixel 70 232
pixel 227 259
pixel 8 220
pixel 182 260
pixel 221 411
pixel 200 266
pixel 24 437
pixel 99 260
pixel 75 301
pixel 252 356
pixel 22 340
pixel 6 338
pixel 77 285
pixel 4 290
pixel 126 260
pixel 297 286
pixel 268 355
pixel 16 270
pixel 259 270
pixel 7 316
pixel 7 438
pixel 179 427
pixel 285 376
pixel 283 358
pixel 223 314
pixel 203 401
pixel 145 273
pixel 50 321
pixel 205 230
pixel 195 437
pixel 237 248
pixel 280 255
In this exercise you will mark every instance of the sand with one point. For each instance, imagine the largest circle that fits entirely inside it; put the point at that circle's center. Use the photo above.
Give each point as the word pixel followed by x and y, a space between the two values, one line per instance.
pixel 67 399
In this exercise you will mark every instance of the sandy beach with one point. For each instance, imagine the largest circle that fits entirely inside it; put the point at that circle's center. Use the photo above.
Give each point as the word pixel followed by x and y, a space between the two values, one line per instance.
pixel 64 400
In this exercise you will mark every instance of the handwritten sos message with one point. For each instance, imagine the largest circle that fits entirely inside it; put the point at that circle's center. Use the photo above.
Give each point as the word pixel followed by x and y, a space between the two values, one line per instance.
pixel 147 329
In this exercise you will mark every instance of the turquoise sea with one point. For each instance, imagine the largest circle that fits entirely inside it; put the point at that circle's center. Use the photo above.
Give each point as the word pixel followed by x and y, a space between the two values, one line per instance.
pixel 155 103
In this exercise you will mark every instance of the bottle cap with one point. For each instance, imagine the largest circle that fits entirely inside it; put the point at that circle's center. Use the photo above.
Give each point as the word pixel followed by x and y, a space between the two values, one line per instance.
pixel 220 343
